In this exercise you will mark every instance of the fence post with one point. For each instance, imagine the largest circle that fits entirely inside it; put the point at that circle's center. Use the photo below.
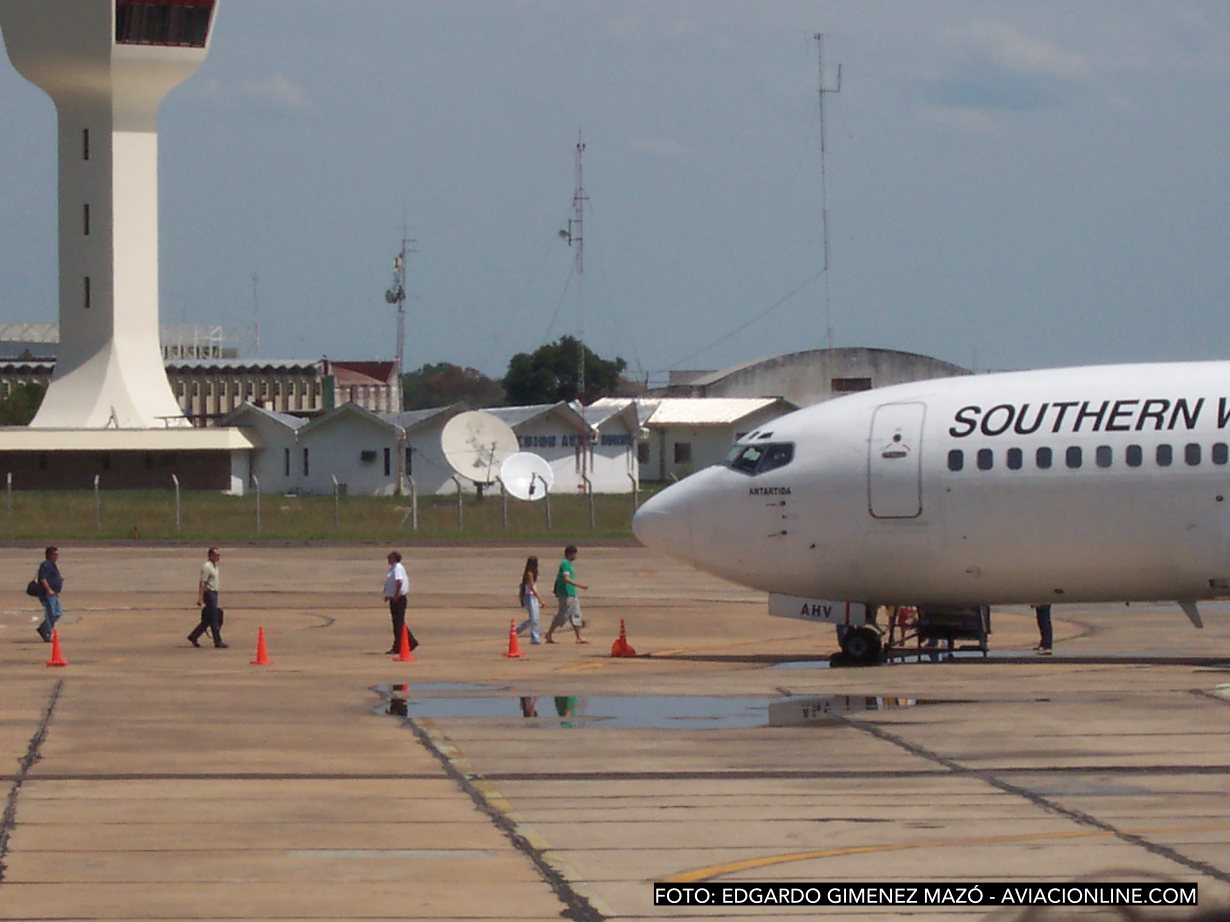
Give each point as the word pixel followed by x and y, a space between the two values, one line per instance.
pixel 412 511
pixel 9 489
pixel 256 481
pixel 337 519
pixel 457 480
pixel 546 496
pixel 175 480
pixel 97 507
pixel 503 502
pixel 589 493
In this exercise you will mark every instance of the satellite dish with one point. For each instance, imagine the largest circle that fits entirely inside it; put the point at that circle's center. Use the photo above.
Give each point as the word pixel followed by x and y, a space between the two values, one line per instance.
pixel 526 475
pixel 475 444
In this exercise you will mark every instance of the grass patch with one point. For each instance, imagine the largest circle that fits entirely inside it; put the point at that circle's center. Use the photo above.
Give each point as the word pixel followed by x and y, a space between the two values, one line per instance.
pixel 60 515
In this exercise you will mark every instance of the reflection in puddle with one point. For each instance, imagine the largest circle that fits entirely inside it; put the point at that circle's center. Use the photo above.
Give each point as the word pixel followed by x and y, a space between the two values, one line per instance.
pixel 634 711
pixel 828 709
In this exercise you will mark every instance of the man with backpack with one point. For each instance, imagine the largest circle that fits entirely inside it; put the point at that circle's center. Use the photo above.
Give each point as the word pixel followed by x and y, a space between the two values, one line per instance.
pixel 50 582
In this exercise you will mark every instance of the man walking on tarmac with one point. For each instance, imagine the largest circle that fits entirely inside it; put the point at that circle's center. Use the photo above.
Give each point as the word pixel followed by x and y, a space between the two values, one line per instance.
pixel 207 598
pixel 566 587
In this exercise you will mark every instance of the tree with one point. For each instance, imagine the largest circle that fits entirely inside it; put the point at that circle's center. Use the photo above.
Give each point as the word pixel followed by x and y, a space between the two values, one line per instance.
pixel 19 407
pixel 549 374
pixel 443 383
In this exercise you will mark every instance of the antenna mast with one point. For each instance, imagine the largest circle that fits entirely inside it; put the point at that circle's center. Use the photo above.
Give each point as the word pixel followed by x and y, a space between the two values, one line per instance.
pixel 397 295
pixel 256 312
pixel 575 235
pixel 824 195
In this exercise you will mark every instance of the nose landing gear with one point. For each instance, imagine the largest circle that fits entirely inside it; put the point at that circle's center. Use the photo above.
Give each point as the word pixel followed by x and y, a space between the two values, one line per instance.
pixel 861 646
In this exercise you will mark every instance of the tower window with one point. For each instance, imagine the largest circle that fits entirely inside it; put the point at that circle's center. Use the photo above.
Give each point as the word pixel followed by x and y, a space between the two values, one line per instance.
pixel 85 144
pixel 173 23
pixel 87 292
pixel 86 219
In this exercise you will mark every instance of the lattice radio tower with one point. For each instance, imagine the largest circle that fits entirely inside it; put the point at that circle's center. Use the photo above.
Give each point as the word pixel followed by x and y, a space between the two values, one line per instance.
pixel 575 236
pixel 824 195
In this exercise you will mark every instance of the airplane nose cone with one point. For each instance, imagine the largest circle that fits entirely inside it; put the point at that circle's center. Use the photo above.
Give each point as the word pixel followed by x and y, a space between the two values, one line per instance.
pixel 662 526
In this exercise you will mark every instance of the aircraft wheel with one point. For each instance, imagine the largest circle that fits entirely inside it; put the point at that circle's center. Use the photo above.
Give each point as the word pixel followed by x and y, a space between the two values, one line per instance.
pixel 862 646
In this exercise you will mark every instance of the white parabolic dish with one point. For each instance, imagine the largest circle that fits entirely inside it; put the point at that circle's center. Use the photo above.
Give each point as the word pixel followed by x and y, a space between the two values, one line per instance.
pixel 526 475
pixel 475 444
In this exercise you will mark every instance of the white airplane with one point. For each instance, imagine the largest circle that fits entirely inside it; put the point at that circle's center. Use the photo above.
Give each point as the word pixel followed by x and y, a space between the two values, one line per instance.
pixel 1097 484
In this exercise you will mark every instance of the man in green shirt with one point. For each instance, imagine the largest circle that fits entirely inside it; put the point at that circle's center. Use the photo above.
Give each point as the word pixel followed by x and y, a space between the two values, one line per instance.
pixel 566 587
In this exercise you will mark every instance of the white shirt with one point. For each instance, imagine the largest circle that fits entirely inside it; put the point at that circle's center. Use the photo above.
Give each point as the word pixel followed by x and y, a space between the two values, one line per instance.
pixel 396 575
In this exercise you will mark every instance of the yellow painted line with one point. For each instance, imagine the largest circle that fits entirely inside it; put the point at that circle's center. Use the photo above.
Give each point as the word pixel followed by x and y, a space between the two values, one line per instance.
pixel 585 667
pixel 750 864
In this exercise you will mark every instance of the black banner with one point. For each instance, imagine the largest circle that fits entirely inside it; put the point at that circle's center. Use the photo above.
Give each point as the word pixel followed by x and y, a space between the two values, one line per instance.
pixel 1150 893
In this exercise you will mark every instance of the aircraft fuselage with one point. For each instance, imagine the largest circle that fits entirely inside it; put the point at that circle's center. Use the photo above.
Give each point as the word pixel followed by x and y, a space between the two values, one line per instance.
pixel 1106 483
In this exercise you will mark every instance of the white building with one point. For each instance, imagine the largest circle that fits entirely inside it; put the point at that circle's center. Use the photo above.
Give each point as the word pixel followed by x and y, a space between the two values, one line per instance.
pixel 275 435
pixel 425 461
pixel 560 435
pixel 685 434
pixel 352 445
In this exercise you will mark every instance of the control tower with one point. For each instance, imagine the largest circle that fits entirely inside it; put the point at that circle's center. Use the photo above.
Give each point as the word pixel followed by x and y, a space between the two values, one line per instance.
pixel 107 64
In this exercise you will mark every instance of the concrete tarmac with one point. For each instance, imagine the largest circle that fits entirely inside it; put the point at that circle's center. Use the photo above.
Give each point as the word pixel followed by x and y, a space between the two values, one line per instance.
pixel 151 780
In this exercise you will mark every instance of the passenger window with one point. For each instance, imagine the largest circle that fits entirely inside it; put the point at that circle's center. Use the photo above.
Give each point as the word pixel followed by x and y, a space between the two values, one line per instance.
pixel 1221 453
pixel 1104 456
pixel 1134 455
pixel 1191 454
pixel 1072 457
pixel 956 459
pixel 1165 455
pixel 986 458
pixel 1015 459
pixel 1043 458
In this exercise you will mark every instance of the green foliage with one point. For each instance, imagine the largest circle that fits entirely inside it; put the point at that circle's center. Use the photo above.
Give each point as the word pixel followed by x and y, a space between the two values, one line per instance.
pixel 444 383
pixel 19 407
pixel 549 374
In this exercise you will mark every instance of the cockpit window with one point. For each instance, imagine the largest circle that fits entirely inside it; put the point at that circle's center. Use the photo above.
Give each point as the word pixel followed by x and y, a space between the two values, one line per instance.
pixel 756 459
pixel 745 458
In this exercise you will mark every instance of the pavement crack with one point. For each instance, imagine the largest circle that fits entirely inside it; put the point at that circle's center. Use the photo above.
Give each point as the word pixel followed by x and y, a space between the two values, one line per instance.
pixel 580 908
pixel 27 762
pixel 1079 817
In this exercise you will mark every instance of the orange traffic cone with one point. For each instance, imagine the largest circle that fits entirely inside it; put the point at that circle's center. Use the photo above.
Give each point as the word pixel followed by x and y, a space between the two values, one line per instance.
pixel 403 647
pixel 57 658
pixel 514 648
pixel 262 655
pixel 621 647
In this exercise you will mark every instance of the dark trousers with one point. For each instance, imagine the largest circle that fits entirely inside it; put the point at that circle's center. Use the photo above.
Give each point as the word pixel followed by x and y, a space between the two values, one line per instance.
pixel 211 619
pixel 397 609
pixel 1044 625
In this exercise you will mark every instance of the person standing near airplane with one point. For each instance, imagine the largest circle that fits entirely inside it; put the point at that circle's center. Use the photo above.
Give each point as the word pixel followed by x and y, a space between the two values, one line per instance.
pixel 1044 630
pixel 566 587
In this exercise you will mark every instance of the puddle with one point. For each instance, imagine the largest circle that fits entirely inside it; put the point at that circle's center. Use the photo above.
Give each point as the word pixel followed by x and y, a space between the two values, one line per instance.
pixel 687 712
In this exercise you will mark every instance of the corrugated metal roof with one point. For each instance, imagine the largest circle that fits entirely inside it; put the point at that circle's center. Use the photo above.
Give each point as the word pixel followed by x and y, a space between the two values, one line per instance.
pixel 708 411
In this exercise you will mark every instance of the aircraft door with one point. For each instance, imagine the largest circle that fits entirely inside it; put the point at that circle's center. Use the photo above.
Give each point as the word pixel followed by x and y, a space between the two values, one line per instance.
pixel 894 465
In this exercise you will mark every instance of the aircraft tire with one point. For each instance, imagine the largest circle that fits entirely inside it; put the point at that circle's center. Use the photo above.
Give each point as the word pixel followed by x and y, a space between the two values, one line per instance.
pixel 862 647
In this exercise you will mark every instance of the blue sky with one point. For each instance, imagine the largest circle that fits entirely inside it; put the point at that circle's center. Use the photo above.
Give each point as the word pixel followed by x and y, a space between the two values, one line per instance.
pixel 1010 185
